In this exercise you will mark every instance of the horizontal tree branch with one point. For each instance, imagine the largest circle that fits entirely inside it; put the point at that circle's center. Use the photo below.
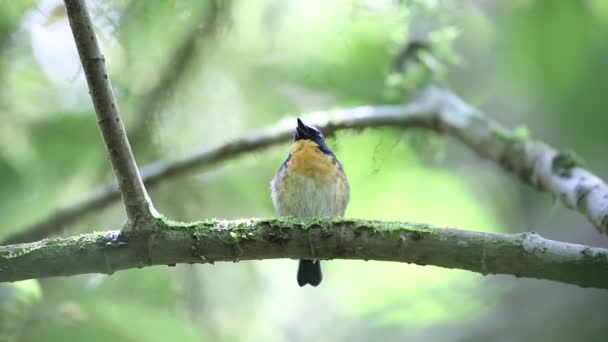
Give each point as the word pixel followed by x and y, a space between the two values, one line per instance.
pixel 521 255
pixel 436 109
pixel 137 203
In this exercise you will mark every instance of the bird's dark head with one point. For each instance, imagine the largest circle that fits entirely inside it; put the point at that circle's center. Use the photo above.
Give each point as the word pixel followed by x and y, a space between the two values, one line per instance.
pixel 304 132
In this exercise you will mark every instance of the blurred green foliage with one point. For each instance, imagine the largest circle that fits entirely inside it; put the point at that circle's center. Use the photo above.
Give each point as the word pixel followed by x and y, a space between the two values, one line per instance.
pixel 17 301
pixel 540 64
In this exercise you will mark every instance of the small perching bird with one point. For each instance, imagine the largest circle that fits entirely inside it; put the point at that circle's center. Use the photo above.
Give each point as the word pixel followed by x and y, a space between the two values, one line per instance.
pixel 310 183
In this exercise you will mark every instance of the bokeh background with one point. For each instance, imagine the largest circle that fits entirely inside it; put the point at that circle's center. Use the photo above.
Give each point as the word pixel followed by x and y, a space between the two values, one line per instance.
pixel 189 75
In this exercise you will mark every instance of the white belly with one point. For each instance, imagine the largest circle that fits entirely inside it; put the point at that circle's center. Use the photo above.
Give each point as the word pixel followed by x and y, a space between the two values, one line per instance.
pixel 302 196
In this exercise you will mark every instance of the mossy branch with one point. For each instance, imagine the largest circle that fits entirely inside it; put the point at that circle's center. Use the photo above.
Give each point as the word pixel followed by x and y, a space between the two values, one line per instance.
pixel 521 255
pixel 536 163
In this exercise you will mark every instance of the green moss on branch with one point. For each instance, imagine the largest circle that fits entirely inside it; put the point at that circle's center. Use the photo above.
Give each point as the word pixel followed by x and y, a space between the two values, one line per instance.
pixel 171 242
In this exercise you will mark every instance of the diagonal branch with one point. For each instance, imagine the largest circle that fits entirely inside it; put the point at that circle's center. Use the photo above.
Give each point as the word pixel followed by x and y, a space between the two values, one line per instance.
pixel 174 70
pixel 136 200
pixel 436 109
pixel 521 255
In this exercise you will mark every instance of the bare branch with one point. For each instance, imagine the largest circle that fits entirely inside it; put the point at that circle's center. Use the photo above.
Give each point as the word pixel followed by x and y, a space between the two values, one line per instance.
pixel 521 255
pixel 436 109
pixel 136 200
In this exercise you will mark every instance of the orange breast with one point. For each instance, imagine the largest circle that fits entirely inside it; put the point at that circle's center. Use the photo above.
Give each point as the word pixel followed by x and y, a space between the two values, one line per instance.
pixel 310 183
pixel 308 160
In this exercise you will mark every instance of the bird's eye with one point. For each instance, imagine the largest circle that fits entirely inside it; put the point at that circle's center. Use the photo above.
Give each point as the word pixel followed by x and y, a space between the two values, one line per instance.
pixel 317 132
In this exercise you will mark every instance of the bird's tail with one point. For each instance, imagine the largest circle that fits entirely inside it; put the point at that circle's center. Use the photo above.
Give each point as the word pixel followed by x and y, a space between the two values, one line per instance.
pixel 309 272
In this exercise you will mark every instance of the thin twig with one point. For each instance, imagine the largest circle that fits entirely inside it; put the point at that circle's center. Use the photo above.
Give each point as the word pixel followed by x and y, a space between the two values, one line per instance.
pixel 173 72
pixel 137 203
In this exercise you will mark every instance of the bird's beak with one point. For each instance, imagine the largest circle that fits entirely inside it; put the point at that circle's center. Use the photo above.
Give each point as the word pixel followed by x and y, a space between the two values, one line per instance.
pixel 301 124
pixel 302 129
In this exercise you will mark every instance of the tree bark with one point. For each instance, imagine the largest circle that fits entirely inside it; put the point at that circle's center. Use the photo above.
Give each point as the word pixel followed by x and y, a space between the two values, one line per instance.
pixel 136 200
pixel 521 255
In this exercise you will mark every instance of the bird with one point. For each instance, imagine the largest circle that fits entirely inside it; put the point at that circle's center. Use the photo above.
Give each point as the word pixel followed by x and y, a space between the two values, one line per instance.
pixel 310 183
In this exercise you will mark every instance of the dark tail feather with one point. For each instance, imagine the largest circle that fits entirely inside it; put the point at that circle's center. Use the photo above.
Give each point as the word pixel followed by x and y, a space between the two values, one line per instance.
pixel 309 272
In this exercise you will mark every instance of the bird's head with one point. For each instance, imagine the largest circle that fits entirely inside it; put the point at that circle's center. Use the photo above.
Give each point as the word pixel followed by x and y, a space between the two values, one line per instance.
pixel 304 132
